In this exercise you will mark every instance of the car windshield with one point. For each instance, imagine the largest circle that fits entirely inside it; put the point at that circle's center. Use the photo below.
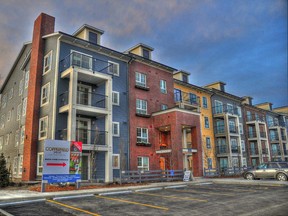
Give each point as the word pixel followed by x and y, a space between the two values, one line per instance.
pixel 262 166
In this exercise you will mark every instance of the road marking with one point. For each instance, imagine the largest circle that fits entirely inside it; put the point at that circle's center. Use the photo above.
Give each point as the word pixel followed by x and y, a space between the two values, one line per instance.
pixel 174 197
pixel 230 189
pixel 201 192
pixel 73 197
pixel 175 186
pixel 149 189
pixel 136 203
pixel 22 202
pixel 74 208
pixel 116 192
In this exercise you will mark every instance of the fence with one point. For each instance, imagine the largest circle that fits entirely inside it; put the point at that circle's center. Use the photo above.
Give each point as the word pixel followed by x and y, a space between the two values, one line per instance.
pixel 229 171
pixel 151 176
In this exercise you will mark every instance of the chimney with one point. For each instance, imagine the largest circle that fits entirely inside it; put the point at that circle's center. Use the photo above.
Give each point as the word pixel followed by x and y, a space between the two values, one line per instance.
pixel 43 25
pixel 247 100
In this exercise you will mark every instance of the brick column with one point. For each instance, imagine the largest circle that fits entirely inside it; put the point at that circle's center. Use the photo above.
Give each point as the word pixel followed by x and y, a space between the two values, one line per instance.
pixel 43 25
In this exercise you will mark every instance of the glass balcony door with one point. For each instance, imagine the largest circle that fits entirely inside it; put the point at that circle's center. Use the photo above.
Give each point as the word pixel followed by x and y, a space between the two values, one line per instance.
pixel 84 94
pixel 83 131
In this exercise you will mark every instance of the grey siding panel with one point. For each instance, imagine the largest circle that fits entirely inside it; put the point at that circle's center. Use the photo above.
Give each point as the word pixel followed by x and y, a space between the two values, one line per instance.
pixel 100 165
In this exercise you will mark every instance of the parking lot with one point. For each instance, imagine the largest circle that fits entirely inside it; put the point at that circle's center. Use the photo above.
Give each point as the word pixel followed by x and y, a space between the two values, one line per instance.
pixel 201 199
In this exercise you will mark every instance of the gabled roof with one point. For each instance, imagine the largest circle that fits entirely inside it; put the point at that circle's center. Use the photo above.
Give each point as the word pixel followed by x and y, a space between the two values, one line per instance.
pixel 87 27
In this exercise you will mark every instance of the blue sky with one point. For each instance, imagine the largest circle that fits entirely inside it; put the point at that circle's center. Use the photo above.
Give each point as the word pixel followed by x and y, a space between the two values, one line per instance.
pixel 240 42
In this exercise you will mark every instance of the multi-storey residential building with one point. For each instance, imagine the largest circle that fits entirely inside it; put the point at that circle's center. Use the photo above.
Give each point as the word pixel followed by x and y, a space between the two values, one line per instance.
pixel 162 136
pixel 192 97
pixel 277 125
pixel 228 127
pixel 257 144
pixel 65 87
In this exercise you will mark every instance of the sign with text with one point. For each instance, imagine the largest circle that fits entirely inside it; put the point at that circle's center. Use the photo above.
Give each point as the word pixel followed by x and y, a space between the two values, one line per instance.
pixel 187 176
pixel 62 161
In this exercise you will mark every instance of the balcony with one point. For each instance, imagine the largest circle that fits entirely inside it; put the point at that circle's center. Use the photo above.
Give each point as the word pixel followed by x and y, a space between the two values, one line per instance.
pixel 254 151
pixel 186 100
pixel 225 109
pixel 254 117
pixel 274 137
pixel 235 150
pixel 265 151
pixel 263 134
pixel 87 137
pixel 86 62
pixel 283 137
pixel 219 129
pixel 272 124
pixel 276 152
pixel 222 149
pixel 252 134
pixel 233 129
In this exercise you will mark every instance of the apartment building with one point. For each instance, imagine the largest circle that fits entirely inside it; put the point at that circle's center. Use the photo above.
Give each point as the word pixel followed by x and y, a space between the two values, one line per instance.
pixel 65 87
pixel 257 143
pixel 277 127
pixel 228 127
pixel 162 136
pixel 192 97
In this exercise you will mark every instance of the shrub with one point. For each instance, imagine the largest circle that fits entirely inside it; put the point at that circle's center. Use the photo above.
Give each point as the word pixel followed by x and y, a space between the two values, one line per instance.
pixel 4 173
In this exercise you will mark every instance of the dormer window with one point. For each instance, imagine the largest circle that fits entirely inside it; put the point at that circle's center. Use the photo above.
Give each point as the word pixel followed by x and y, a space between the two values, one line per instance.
pixel 93 37
pixel 146 53
pixel 185 78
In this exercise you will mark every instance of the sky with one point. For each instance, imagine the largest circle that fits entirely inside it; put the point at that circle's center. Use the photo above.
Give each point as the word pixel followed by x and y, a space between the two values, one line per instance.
pixel 240 42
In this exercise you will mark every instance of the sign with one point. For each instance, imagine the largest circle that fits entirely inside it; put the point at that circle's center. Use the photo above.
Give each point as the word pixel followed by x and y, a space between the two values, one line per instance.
pixel 163 151
pixel 187 176
pixel 62 161
pixel 172 172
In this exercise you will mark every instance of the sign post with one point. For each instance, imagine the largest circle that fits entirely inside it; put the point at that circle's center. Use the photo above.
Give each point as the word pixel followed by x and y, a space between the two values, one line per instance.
pixel 61 162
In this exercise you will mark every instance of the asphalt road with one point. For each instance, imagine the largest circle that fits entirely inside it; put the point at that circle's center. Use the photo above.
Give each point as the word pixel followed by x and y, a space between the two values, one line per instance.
pixel 205 199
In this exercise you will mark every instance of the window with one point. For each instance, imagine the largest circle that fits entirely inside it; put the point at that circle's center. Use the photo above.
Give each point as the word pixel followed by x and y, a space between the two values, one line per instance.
pixel 143 163
pixel 142 135
pixel 115 161
pixel 93 37
pixel 2 121
pixel 4 101
pixel 164 107
pixel 16 138
pixel 244 162
pixel 146 53
pixel 193 98
pixel 163 87
pixel 45 92
pixel 208 142
pixel 115 98
pixel 177 95
pixel 81 60
pixel 140 79
pixel 240 128
pixel 249 116
pixel 234 146
pixel 113 68
pixel 43 127
pixel 20 87
pixel 209 163
pixel 47 63
pixel 1 142
pixel 7 136
pixel 232 126
pixel 11 92
pixel 204 102
pixel 18 112
pixel 235 162
pixel 218 107
pixel 141 106
pixel 39 163
pixel 15 165
pixel 230 108
pixel 9 115
pixel 20 165
pixel 239 111
pixel 26 79
pixel 116 129
pixel 243 145
pixel 22 138
pixel 206 120
pixel 185 78
pixel 24 106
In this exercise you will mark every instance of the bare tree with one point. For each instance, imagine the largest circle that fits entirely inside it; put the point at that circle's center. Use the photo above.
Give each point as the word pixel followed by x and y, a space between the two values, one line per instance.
pixel 93 166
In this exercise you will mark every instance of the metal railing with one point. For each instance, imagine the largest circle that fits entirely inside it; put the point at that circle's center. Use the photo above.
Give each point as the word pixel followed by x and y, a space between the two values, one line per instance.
pixel 274 137
pixel 185 97
pixel 254 151
pixel 263 134
pixel 265 151
pixel 275 124
pixel 233 129
pixel 276 152
pixel 252 134
pixel 235 149
pixel 227 171
pixel 254 117
pixel 222 149
pixel 219 129
pixel 87 136
pixel 223 109
pixel 87 62
pixel 85 98
pixel 150 176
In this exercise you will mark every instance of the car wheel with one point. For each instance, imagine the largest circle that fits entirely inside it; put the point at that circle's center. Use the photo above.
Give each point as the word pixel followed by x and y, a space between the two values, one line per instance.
pixel 281 177
pixel 249 176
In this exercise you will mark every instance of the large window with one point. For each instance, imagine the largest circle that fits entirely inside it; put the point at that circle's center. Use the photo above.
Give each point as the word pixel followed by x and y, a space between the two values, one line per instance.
pixel 209 160
pixel 218 107
pixel 142 135
pixel 230 108
pixel 17 138
pixel 206 120
pixel 20 87
pixel 163 86
pixel 140 79
pixel 239 111
pixel 24 106
pixel 204 102
pixel 43 127
pixel 22 137
pixel 20 165
pixel 39 163
pixel 146 53
pixel 116 129
pixel 4 100
pixel 81 60
pixel 11 92
pixel 26 79
pixel 143 163
pixel 115 98
pixel 141 106
pixel 113 68
pixel 47 63
pixel 93 37
pixel 208 142
pixel 45 92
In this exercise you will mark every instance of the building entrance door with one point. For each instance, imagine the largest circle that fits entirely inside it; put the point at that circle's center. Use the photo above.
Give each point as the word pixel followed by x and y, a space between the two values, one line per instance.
pixel 85 167
pixel 162 163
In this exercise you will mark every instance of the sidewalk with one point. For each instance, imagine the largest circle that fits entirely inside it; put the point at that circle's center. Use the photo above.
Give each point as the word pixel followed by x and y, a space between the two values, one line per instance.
pixel 8 196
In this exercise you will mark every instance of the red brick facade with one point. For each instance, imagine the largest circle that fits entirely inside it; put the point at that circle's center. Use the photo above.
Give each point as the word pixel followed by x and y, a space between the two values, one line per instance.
pixel 43 25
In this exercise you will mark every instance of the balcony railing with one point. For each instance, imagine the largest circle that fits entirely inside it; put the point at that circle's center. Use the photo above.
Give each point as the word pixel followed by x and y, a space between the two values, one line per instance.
pixel 219 129
pixel 85 98
pixel 264 150
pixel 254 151
pixel 235 150
pixel 233 129
pixel 276 152
pixel 187 98
pixel 283 137
pixel 252 134
pixel 274 137
pixel 222 149
pixel 263 134
pixel 87 136
pixel 254 117
pixel 223 109
pixel 276 124
pixel 86 62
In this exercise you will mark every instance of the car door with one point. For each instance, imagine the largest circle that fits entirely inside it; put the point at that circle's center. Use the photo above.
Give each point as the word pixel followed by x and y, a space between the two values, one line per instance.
pixel 260 171
pixel 271 170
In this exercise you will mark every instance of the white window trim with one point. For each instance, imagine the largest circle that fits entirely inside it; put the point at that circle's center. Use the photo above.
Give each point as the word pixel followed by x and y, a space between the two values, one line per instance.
pixel 21 87
pixel 17 133
pixel 117 96
pixel 138 82
pixel 27 75
pixel 4 101
pixel 206 117
pixel 142 166
pixel 90 60
pixel 142 137
pixel 10 95
pixel 15 166
pixel 163 88
pixel 141 110
pixel 20 165
pixel 118 129
pixel 117 66
pixel 47 85
pixel 40 120
pixel 239 111
pixel 38 156
pixel 1 142
pixel 24 109
pixel 48 55
pixel 22 135
pixel 18 112
pixel 7 139
pixel 203 102
pixel 220 104
pixel 230 106
pixel 118 164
